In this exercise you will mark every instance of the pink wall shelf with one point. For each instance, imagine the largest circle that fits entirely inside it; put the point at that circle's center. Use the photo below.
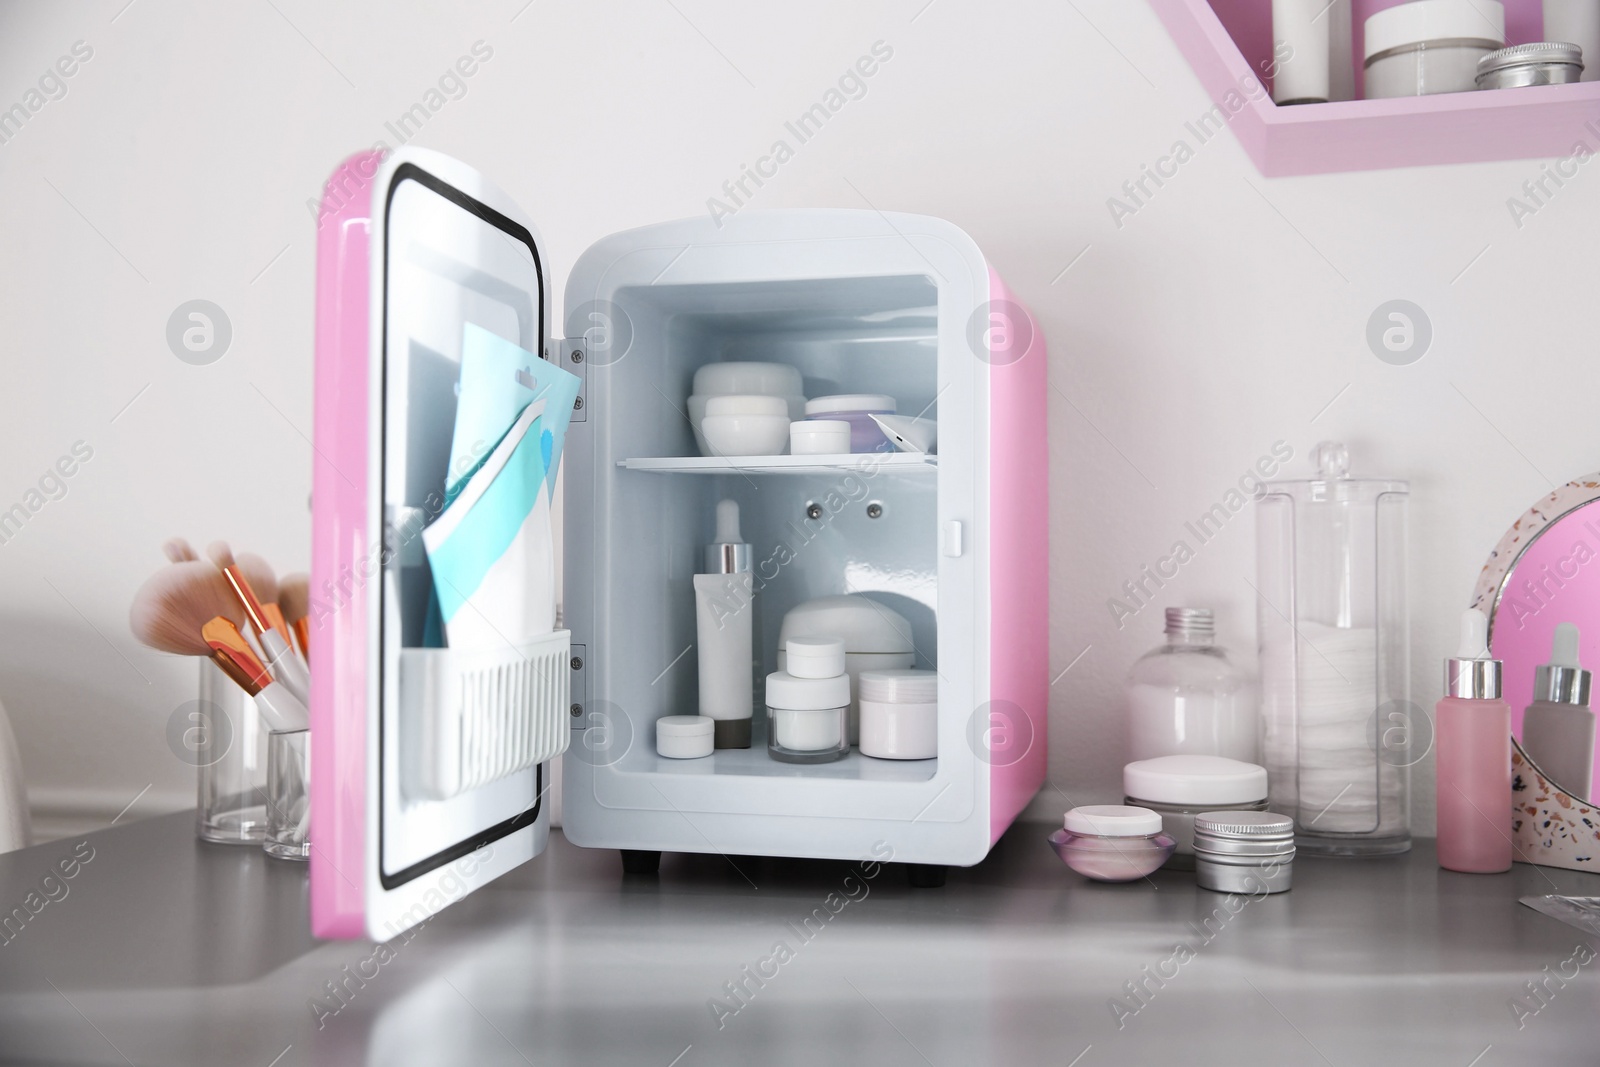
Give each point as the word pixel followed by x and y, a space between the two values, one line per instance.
pixel 1229 43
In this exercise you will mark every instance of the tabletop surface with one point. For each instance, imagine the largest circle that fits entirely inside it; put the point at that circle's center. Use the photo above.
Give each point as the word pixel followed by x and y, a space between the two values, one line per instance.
pixel 162 950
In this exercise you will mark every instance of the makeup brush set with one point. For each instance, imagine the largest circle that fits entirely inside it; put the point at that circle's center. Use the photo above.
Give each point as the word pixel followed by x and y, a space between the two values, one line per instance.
pixel 233 612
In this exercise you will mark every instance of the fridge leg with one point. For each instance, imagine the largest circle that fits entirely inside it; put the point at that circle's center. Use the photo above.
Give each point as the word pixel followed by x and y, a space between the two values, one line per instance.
pixel 925 875
pixel 640 861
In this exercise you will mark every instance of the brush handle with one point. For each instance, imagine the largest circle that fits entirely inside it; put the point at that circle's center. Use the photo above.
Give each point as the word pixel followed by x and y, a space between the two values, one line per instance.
pixel 285 666
pixel 284 712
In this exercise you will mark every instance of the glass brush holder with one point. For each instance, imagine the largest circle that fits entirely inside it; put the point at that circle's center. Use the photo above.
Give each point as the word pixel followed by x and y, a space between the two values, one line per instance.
pixel 1335 655
pixel 222 735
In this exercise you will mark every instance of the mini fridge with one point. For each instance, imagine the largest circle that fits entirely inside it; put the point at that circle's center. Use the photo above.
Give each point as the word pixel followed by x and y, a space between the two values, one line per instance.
pixel 431 768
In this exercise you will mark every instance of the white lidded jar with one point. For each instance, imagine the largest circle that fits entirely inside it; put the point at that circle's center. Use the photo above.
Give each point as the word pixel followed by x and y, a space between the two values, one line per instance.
pixel 808 705
pixel 1187 697
pixel 899 714
pixel 1430 46
pixel 1181 787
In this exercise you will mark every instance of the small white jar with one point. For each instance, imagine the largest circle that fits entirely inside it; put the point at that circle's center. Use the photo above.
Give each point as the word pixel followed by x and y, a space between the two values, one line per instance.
pixel 684 736
pixel 808 704
pixel 1430 46
pixel 819 437
pixel 899 714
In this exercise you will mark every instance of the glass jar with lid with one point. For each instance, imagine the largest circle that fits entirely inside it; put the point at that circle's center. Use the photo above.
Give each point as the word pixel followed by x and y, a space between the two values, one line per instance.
pixel 1335 657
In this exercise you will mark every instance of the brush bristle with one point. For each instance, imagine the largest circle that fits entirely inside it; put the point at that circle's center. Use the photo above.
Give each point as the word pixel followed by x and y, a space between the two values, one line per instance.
pixel 258 572
pixel 171 607
pixel 294 596
pixel 178 550
pixel 220 554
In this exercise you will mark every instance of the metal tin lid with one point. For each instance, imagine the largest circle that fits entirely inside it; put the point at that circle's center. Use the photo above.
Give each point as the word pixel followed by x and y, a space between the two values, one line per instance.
pixel 1112 820
pixel 1251 824
pixel 1538 54
pixel 1192 780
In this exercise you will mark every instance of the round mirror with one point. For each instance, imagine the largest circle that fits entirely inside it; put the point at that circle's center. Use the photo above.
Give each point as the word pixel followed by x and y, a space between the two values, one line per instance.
pixel 1542 581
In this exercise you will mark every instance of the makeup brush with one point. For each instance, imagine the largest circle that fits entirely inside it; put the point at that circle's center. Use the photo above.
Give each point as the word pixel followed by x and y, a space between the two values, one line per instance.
pixel 281 660
pixel 263 582
pixel 175 602
pixel 294 597
pixel 189 609
pixel 178 550
pixel 282 709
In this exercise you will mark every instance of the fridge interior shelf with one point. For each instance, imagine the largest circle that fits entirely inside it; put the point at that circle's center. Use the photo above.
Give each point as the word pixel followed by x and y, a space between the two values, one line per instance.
pixel 879 461
pixel 1229 43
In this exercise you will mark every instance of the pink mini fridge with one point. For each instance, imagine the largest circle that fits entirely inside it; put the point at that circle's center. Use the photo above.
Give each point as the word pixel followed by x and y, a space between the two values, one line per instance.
pixel 432 766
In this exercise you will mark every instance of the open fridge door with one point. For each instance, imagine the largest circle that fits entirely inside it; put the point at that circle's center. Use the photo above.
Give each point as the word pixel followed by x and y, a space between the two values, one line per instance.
pixel 440 683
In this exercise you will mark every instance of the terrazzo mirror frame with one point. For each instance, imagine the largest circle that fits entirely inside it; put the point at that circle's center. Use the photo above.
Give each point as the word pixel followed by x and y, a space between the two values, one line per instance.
pixel 1544 571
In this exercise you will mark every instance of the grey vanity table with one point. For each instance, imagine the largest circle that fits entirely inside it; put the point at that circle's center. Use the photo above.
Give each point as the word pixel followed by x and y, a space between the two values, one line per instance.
pixel 166 951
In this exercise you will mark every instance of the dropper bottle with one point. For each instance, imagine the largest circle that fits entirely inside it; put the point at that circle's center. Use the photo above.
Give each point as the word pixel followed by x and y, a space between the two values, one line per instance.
pixel 1558 727
pixel 1473 779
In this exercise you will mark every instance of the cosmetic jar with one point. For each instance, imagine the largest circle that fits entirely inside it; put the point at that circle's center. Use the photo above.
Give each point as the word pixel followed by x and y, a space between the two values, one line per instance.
pixel 1430 46
pixel 819 437
pixel 856 409
pixel 899 714
pixel 808 719
pixel 684 736
pixel 1181 787
pixel 1548 63
pixel 1249 852
pixel 743 379
pixel 746 425
pixel 288 794
pixel 1111 843
pixel 814 657
pixel 875 636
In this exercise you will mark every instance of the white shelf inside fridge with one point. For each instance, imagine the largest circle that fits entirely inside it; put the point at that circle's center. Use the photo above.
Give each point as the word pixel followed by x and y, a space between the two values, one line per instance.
pixel 879 461
pixel 754 762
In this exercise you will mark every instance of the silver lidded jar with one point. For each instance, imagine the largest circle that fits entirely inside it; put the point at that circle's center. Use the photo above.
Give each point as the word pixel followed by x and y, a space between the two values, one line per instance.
pixel 1249 852
pixel 1542 63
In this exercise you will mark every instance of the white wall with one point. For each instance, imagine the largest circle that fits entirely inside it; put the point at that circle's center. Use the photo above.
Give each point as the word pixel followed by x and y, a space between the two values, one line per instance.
pixel 1224 316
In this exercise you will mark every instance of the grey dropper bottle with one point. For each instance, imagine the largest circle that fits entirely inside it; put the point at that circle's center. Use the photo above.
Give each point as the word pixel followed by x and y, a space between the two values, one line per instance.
pixel 1558 727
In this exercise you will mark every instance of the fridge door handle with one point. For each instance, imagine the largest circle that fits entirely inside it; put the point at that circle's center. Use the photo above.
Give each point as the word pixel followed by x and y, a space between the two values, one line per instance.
pixel 952 538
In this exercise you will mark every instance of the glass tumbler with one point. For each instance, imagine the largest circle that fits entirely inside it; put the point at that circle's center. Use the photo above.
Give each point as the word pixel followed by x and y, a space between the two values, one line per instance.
pixel 223 736
pixel 1332 621
pixel 288 794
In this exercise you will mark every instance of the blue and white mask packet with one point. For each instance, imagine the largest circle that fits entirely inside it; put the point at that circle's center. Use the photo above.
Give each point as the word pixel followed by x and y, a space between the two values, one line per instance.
pixel 491 550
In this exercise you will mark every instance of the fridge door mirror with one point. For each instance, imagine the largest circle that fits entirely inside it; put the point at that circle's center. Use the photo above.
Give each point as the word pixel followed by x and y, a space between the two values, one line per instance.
pixel 454 790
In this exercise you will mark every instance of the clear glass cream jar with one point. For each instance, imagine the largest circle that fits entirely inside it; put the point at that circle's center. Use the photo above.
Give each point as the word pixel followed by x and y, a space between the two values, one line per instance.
pixel 1181 787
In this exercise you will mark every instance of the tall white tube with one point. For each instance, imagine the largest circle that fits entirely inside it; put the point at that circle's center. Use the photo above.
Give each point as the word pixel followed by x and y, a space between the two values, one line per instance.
pixel 725 638
pixel 1300 43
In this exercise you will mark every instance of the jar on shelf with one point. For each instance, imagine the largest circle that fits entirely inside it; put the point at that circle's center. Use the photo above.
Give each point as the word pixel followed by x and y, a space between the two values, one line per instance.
pixel 1187 697
pixel 1335 658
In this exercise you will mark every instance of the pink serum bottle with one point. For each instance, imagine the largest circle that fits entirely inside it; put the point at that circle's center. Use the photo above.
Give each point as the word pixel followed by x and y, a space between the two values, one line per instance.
pixel 1473 782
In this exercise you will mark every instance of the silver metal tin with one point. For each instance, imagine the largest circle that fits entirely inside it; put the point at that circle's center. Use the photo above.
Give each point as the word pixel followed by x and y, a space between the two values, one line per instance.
pixel 1542 63
pixel 1250 852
